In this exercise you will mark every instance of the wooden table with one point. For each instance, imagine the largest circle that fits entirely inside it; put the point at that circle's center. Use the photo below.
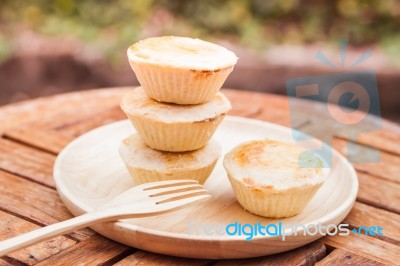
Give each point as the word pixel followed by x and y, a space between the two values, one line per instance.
pixel 34 132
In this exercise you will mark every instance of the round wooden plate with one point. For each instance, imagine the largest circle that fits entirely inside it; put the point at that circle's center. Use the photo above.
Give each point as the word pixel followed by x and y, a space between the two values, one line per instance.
pixel 89 172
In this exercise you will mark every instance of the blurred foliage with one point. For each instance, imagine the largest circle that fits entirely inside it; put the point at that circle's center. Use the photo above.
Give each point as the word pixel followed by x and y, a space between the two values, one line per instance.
pixel 108 26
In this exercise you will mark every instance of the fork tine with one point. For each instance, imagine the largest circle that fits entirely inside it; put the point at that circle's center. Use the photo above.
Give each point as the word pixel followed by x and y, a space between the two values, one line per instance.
pixel 170 190
pixel 180 195
pixel 154 189
pixel 168 183
pixel 177 204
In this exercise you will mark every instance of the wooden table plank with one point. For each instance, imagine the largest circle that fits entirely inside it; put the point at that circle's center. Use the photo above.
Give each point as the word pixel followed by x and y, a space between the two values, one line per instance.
pixel 379 192
pixel 147 258
pixel 271 108
pixel 93 251
pixel 11 116
pixel 365 246
pixel 36 129
pixel 388 166
pixel 11 226
pixel 110 115
pixel 342 257
pixel 31 200
pixel 27 162
pixel 306 255
pixel 365 215
pixel 386 139
pixel 54 136
pixel 44 139
pixel 386 136
pixel 34 202
pixel 5 263
pixel 240 100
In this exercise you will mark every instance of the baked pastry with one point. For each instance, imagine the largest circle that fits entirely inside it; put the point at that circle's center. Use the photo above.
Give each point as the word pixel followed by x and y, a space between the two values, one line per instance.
pixel 274 179
pixel 180 70
pixel 172 127
pixel 148 165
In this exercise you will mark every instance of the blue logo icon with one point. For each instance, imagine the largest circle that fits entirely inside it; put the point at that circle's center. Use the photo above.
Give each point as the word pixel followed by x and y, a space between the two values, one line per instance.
pixel 348 105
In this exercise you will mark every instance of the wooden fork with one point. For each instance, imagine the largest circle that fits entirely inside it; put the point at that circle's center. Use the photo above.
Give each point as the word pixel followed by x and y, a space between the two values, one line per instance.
pixel 144 200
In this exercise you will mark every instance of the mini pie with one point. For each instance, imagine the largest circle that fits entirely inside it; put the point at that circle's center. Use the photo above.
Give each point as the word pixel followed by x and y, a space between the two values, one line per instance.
pixel 180 70
pixel 147 165
pixel 172 127
pixel 274 179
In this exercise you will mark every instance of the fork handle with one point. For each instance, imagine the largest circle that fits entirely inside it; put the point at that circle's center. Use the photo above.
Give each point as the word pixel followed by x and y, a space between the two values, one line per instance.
pixel 53 230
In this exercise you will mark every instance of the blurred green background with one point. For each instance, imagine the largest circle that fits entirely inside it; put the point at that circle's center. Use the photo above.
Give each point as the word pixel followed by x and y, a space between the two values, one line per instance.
pixel 62 45
pixel 110 26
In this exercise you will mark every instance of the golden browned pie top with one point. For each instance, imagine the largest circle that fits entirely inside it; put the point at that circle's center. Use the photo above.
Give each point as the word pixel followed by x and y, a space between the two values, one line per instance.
pixel 181 52
pixel 137 102
pixel 276 165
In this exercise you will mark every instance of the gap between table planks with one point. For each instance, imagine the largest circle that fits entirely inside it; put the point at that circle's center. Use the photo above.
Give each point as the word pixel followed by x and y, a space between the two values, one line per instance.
pixel 34 132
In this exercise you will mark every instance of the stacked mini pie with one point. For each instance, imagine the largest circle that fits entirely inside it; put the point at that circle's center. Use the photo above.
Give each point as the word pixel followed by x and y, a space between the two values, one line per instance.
pixel 177 108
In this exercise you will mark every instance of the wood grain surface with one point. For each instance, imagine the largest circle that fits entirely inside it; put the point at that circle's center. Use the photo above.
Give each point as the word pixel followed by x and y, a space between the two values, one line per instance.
pixel 34 132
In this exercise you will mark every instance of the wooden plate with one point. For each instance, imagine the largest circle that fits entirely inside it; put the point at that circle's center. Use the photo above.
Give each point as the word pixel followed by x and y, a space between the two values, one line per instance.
pixel 89 172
